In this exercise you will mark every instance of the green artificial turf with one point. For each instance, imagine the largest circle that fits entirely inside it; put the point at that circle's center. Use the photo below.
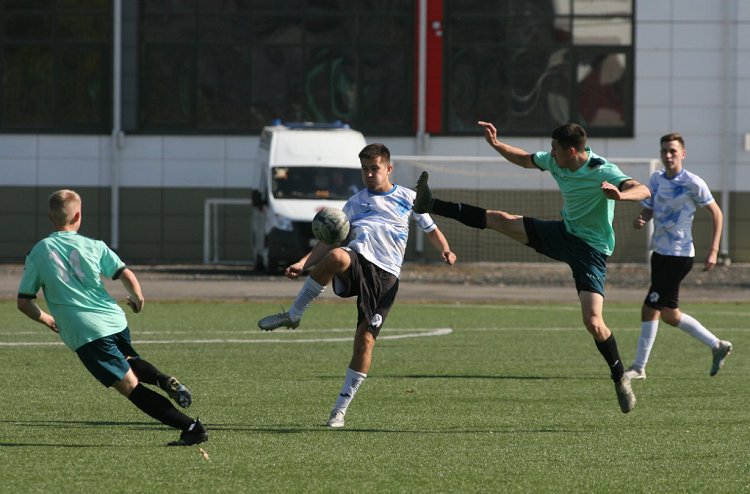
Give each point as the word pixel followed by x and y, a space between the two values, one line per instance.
pixel 515 398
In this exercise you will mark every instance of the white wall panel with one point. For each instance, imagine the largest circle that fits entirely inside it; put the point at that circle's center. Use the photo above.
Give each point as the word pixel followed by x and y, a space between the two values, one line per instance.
pixel 18 146
pixel 698 35
pixel 697 63
pixel 650 120
pixel 67 146
pixel 142 147
pixel 690 120
pixel 241 148
pixel 652 92
pixel 653 10
pixel 194 147
pixel 697 10
pixel 238 174
pixel 194 173
pixel 653 36
pixel 69 172
pixel 653 63
pixel 18 171
pixel 697 92
pixel 140 173
pixel 743 34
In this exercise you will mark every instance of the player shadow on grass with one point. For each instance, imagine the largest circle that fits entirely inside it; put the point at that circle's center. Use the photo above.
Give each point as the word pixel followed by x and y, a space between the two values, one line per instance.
pixel 520 378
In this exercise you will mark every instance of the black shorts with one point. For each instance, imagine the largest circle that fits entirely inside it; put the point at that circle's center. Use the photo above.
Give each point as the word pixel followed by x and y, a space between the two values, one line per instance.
pixel 667 272
pixel 374 287
pixel 552 239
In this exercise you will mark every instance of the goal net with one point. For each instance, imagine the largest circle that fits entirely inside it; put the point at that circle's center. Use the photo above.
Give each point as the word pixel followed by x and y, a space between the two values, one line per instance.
pixel 495 184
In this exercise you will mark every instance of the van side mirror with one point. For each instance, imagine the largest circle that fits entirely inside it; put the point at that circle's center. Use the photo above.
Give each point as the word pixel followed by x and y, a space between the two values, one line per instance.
pixel 257 199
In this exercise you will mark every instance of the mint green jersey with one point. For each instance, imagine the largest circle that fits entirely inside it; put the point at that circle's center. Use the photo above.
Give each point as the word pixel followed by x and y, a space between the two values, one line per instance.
pixel 587 212
pixel 66 266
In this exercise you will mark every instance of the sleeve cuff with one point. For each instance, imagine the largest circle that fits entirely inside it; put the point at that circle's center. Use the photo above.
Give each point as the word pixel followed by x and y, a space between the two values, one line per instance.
pixel 26 295
pixel 119 272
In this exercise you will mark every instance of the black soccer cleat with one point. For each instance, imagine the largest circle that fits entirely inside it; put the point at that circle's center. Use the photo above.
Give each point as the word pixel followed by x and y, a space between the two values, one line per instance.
pixel 424 200
pixel 179 393
pixel 195 434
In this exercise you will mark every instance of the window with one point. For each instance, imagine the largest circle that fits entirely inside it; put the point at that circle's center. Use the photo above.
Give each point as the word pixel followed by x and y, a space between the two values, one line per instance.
pixel 235 66
pixel 56 65
pixel 531 65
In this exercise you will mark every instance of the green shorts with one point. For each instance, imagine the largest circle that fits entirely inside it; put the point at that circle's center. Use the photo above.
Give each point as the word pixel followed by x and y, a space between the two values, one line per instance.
pixel 106 358
pixel 552 239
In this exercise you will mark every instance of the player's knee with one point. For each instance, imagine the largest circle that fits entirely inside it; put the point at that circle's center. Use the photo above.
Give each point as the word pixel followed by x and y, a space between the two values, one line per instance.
pixel 671 318
pixel 337 260
pixel 594 324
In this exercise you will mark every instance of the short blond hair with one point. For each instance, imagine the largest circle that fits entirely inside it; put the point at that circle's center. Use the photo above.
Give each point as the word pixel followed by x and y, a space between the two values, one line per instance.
pixel 63 205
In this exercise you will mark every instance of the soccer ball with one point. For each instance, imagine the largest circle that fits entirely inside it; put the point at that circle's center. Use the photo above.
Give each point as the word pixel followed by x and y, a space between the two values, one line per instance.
pixel 330 226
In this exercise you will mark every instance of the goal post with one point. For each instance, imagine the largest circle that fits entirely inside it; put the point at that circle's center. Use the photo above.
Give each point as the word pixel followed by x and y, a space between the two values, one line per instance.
pixel 494 183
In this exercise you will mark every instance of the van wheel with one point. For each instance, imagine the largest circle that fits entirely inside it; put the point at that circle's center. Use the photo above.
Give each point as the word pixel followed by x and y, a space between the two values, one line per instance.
pixel 270 264
pixel 259 263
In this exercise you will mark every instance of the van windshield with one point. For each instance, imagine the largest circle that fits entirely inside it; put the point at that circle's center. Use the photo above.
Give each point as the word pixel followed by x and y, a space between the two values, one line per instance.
pixel 315 182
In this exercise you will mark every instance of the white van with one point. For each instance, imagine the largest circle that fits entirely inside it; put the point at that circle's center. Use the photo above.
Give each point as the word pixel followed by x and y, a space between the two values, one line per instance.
pixel 299 170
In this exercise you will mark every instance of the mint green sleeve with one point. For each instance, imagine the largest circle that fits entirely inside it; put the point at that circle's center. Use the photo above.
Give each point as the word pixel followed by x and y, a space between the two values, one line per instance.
pixel 31 282
pixel 542 160
pixel 614 175
pixel 110 263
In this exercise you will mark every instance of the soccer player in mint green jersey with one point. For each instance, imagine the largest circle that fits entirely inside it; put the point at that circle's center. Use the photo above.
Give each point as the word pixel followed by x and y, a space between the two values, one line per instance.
pixel 583 238
pixel 67 267
pixel 675 195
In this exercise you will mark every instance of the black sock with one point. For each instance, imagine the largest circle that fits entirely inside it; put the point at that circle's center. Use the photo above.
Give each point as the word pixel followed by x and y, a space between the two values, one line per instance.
pixel 147 373
pixel 465 213
pixel 608 349
pixel 155 405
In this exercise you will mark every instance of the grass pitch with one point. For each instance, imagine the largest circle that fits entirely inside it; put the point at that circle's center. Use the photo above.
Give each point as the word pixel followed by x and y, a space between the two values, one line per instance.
pixel 512 399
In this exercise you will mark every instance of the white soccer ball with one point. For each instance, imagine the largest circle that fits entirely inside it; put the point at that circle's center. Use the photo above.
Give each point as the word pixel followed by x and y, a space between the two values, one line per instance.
pixel 330 226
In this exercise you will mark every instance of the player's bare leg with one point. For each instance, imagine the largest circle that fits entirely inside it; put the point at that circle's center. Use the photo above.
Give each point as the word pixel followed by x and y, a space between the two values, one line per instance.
pixel 364 342
pixel 592 305
pixel 336 262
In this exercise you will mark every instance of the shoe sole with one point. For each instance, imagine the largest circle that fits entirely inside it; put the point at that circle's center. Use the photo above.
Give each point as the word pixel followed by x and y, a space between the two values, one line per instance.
pixel 179 393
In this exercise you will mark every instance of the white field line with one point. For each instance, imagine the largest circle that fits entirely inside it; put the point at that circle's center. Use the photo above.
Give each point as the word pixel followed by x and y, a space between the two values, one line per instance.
pixel 435 332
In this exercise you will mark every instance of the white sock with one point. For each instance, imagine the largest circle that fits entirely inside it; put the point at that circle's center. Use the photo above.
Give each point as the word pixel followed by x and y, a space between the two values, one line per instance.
pixel 695 329
pixel 310 291
pixel 645 342
pixel 351 385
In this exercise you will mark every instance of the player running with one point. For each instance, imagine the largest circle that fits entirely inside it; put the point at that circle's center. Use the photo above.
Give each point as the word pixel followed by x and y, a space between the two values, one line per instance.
pixel 675 193
pixel 583 239
pixel 67 267
pixel 369 267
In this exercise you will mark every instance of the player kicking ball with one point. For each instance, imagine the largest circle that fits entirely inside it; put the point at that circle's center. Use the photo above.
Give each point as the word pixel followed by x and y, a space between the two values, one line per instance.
pixel 369 267
pixel 675 194
pixel 67 267
pixel 583 239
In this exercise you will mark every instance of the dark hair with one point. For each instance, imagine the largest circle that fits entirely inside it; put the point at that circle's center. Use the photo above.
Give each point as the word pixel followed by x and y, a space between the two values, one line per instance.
pixel 375 150
pixel 570 136
pixel 673 137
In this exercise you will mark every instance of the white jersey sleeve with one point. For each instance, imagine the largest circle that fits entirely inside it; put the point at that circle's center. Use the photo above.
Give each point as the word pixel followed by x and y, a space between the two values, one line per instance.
pixel 381 225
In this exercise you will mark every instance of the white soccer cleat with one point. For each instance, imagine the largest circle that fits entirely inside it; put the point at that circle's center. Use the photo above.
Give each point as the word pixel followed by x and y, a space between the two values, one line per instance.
pixel 634 374
pixel 625 396
pixel 725 348
pixel 277 320
pixel 336 419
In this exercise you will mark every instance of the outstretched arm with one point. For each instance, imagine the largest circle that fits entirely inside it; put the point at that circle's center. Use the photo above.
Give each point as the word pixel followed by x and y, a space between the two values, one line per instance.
pixel 130 282
pixel 643 218
pixel 311 259
pixel 438 240
pixel 515 155
pixel 631 191
pixel 33 312
pixel 717 218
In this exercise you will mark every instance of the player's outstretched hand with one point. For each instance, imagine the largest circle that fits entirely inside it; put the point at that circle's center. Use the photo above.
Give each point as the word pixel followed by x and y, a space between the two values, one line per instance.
pixel 639 222
pixel 611 191
pixel 53 326
pixel 711 260
pixel 293 271
pixel 490 132
pixel 449 257
pixel 136 305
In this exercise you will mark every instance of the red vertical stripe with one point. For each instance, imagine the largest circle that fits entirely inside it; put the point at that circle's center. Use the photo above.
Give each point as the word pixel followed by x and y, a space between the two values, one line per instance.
pixel 434 97
pixel 434 90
